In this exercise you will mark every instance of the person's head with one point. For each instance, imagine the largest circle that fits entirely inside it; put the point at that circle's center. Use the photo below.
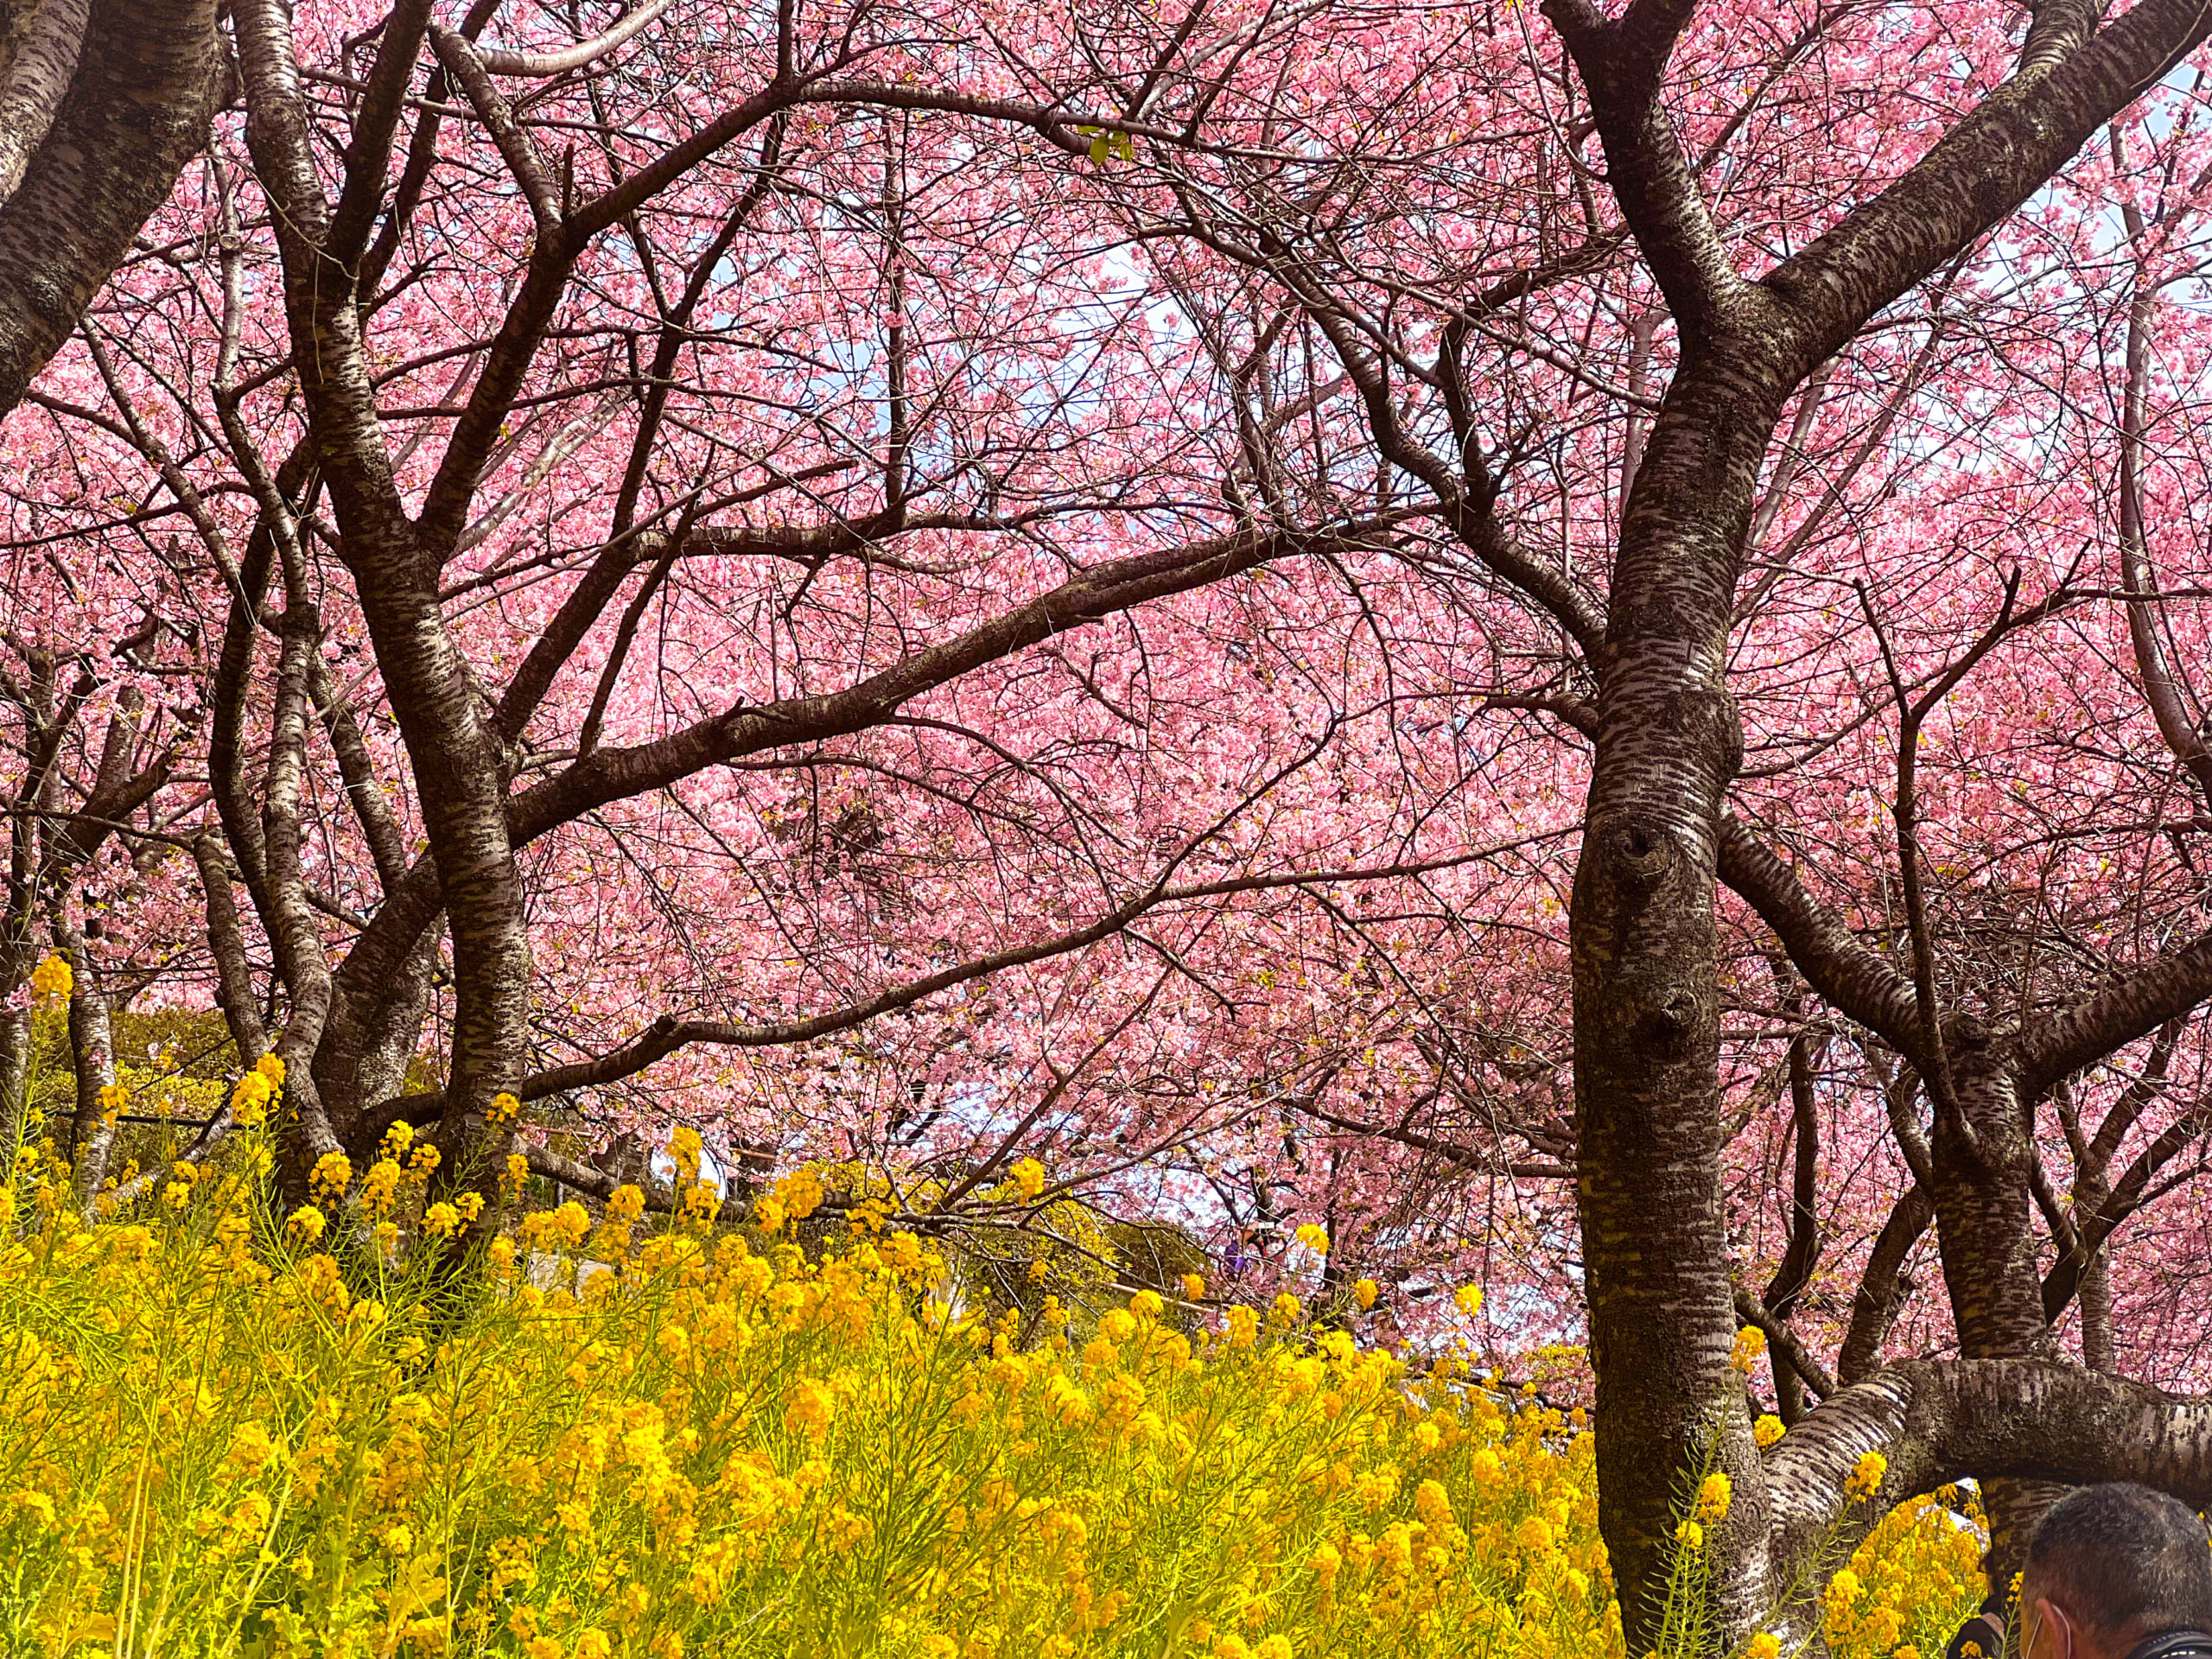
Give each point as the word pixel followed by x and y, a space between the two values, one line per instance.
pixel 2109 1567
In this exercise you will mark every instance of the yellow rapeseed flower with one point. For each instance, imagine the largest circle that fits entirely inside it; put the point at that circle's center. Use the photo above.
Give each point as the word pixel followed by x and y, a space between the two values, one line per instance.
pixel 809 1407
pixel 1712 1498
pixel 52 980
pixel 800 1193
pixel 685 1148
pixel 332 1175
pixel 1867 1477
pixel 1751 1343
pixel 250 1098
pixel 693 1446
pixel 379 1187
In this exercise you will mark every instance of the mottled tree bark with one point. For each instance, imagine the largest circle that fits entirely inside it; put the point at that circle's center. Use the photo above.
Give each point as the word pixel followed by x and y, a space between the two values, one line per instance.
pixel 1656 836
pixel 46 43
pixel 92 1052
pixel 15 1073
pixel 459 764
pixel 104 103
pixel 1985 1224
pixel 1647 1026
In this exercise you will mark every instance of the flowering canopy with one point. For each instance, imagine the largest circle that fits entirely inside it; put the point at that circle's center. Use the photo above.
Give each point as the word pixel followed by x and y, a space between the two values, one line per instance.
pixel 1136 604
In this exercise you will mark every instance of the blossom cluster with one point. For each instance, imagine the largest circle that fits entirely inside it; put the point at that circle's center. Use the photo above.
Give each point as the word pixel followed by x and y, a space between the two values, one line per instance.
pixel 236 1433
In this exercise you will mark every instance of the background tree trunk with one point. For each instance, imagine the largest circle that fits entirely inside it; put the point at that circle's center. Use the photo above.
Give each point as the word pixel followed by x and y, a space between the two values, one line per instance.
pixel 91 1051
pixel 15 1072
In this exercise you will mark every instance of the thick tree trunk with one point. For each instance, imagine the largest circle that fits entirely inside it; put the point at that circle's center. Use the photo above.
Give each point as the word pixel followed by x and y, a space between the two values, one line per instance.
pixel 394 1028
pixel 1985 1225
pixel 457 763
pixel 1647 1026
pixel 38 74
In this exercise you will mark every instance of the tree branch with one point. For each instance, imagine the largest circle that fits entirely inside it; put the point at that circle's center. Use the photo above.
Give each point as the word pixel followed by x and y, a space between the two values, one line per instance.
pixel 1981 170
pixel 1851 978
pixel 540 65
pixel 147 78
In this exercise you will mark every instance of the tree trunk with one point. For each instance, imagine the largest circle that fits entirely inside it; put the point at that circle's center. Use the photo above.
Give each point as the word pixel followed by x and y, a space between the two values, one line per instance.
pixel 1984 1224
pixel 2092 1190
pixel 37 77
pixel 453 748
pixel 1647 1028
pixel 15 1075
pixel 91 1051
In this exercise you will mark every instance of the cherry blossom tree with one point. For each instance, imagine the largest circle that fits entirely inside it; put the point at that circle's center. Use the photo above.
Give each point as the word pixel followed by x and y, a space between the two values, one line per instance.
pixel 918 591
pixel 1998 984
pixel 942 449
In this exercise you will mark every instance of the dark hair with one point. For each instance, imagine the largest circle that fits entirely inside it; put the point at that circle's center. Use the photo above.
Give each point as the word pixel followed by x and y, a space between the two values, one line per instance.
pixel 2123 1558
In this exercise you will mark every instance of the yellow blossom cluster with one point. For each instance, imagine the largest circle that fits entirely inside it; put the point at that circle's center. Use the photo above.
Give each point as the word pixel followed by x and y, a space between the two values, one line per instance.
pixel 1866 1476
pixel 1918 1555
pixel 1750 1343
pixel 234 1433
pixel 52 980
pixel 254 1093
pixel 797 1196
